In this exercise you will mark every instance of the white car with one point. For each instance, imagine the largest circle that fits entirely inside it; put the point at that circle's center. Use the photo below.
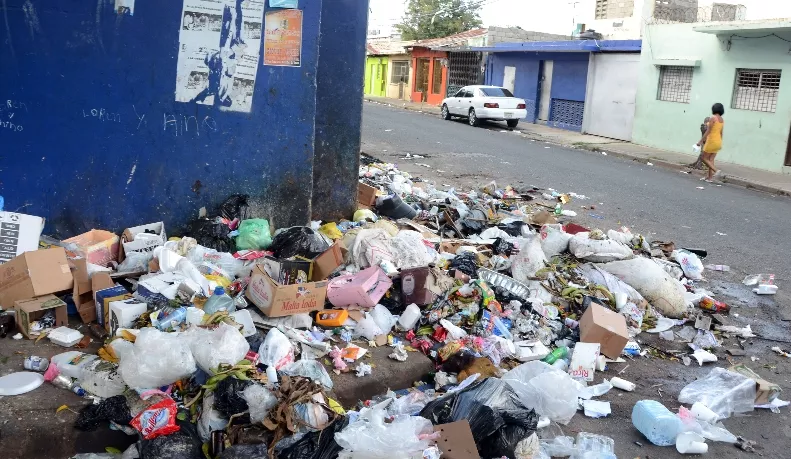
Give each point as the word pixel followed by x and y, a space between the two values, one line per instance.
pixel 478 103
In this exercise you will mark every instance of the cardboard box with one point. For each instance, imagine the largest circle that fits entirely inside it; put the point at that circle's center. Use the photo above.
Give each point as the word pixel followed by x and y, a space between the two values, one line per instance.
pixel 30 310
pixel 366 196
pixel 363 289
pixel 765 392
pixel 301 270
pixel 276 300
pixel 19 233
pixel 98 246
pixel 82 293
pixel 327 262
pixel 423 285
pixel 154 237
pixel 456 441
pixel 606 327
pixel 103 297
pixel 34 274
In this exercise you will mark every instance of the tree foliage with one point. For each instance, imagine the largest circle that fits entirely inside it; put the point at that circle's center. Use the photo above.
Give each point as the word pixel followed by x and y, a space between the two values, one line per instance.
pixel 439 18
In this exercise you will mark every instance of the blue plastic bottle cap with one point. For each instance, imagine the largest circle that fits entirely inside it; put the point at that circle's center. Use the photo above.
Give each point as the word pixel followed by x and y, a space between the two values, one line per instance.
pixel 219 291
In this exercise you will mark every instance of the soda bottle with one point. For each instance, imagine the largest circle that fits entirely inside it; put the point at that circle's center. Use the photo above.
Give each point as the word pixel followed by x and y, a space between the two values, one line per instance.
pixel 557 354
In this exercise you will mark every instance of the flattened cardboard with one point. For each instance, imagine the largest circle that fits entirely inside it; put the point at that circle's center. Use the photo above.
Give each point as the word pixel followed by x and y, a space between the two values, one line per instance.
pixel 606 327
pixel 456 441
pixel 28 311
pixel 276 300
pixel 19 233
pixel 35 273
pixel 327 262
pixel 99 247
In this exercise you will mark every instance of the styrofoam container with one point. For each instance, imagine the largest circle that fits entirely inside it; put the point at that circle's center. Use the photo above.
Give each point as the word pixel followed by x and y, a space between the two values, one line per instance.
pixel 65 336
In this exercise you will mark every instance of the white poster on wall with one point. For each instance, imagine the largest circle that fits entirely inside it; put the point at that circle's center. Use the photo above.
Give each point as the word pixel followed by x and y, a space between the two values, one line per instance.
pixel 219 47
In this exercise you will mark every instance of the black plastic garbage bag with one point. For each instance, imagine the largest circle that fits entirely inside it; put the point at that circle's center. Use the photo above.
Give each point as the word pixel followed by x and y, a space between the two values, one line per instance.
pixel 228 398
pixel 110 409
pixel 474 222
pixel 497 418
pixel 317 445
pixel 392 206
pixel 298 240
pixel 246 452
pixel 184 444
pixel 512 228
pixel 212 234
pixel 502 247
pixel 235 207
pixel 466 263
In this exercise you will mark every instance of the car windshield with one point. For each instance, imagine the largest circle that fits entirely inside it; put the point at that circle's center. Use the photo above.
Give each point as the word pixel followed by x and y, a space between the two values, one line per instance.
pixel 496 92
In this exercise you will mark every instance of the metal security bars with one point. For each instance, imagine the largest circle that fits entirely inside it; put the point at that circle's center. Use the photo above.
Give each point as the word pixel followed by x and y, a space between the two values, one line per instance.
pixel 675 84
pixel 756 90
pixel 400 72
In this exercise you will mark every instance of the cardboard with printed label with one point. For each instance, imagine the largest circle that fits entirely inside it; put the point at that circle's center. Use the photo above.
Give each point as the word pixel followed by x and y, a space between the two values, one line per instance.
pixel 98 246
pixel 583 361
pixel 31 310
pixel 33 274
pixel 276 300
pixel 143 238
pixel 19 233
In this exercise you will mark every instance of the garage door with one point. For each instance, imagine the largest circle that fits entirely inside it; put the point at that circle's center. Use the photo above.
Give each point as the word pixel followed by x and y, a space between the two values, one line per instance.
pixel 611 95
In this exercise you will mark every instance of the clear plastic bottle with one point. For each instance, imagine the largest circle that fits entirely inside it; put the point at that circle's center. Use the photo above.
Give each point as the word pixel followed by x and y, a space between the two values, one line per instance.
pixel 659 425
pixel 592 446
pixel 220 301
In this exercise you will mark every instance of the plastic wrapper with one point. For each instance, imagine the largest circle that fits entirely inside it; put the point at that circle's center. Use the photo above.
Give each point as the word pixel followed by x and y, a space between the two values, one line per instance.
pixel 690 264
pixel 554 240
pixel 311 369
pixel 113 409
pixel 551 392
pixel 229 396
pixel 156 359
pixel 316 445
pixel 723 392
pixel 657 286
pixel 260 400
pixel 135 262
pixel 207 259
pixel 184 444
pixel 101 378
pixel 299 241
pixel 210 419
pixel 276 350
pixel 598 250
pixel 254 234
pixel 157 420
pixel 223 345
pixel 369 437
pixel 531 258
pixel 408 404
pixel 498 419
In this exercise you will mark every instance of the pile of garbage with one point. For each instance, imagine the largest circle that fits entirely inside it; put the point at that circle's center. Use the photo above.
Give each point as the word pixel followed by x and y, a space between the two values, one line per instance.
pixel 225 342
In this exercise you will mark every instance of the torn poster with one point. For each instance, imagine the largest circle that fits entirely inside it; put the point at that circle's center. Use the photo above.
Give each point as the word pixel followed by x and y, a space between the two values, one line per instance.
pixel 283 41
pixel 125 7
pixel 219 46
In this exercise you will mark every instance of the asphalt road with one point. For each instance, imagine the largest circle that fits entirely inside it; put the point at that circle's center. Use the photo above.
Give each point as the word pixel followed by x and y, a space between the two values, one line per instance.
pixel 747 230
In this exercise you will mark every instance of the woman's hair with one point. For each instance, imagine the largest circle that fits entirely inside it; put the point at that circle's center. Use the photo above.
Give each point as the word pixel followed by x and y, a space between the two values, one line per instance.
pixel 718 109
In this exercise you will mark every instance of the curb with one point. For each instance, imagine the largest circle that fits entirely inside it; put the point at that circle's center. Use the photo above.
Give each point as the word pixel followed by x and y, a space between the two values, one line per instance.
pixel 428 109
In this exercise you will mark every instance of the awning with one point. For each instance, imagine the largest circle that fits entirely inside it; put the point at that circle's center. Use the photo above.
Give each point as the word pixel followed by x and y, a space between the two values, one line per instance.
pixel 565 46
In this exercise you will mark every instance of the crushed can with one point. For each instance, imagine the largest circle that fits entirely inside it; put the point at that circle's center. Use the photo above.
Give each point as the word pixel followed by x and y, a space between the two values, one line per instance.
pixel 36 363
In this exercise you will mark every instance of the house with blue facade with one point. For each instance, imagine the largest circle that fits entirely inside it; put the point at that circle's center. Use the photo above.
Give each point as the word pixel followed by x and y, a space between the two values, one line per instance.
pixel 582 85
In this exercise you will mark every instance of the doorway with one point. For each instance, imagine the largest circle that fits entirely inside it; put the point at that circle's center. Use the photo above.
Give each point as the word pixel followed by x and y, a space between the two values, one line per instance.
pixel 509 78
pixel 545 89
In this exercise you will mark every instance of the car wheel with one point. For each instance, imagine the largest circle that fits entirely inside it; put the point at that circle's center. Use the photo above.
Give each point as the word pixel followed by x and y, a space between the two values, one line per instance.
pixel 445 112
pixel 474 121
pixel 512 123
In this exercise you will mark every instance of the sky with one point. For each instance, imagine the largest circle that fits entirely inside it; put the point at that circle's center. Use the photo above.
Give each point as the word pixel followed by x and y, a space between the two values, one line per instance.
pixel 553 16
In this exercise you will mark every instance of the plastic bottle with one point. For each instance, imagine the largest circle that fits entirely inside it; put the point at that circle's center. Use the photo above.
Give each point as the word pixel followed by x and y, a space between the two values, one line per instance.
pixel 592 446
pixel 171 318
pixel 657 423
pixel 64 382
pixel 220 301
pixel 409 318
pixel 71 364
pixel 557 354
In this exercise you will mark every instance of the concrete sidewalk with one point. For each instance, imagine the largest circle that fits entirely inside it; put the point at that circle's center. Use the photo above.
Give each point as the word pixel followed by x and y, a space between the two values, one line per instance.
pixel 748 177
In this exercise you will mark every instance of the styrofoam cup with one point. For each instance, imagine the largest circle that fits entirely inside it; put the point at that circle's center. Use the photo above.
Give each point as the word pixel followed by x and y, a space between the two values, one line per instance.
pixel 620 300
pixel 691 443
pixel 623 384
pixel 703 413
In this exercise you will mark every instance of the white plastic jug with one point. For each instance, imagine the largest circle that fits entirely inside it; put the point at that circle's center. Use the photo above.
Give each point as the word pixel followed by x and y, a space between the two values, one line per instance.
pixel 409 317
pixel 72 363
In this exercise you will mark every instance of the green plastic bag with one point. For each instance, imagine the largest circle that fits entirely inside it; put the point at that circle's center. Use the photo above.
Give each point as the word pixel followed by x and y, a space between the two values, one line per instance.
pixel 253 235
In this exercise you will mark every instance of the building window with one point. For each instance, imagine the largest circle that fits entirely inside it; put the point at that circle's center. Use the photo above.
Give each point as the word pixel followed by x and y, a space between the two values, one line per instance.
pixel 601 9
pixel 675 83
pixel 400 72
pixel 756 90
pixel 421 75
pixel 436 79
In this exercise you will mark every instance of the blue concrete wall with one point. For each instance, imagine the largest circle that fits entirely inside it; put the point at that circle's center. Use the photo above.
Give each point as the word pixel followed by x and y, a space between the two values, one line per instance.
pixel 339 104
pixel 569 81
pixel 145 157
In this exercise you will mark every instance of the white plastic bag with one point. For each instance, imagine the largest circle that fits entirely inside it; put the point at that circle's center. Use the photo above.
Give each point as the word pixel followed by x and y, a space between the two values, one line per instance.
pixel 624 237
pixel 409 251
pixel 156 359
pixel 276 350
pixel 223 345
pixel 657 286
pixel 383 318
pixel 551 392
pixel 599 251
pixel 311 369
pixel 409 404
pixel 260 400
pixel 101 378
pixel 371 438
pixel 554 240
pixel 599 276
pixel 210 419
pixel 690 263
pixel 368 328
pixel 723 392
pixel 529 259
pixel 371 247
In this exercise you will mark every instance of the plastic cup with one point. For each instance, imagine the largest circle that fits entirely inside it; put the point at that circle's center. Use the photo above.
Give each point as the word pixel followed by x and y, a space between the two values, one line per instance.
pixel 623 384
pixel 703 413
pixel 691 443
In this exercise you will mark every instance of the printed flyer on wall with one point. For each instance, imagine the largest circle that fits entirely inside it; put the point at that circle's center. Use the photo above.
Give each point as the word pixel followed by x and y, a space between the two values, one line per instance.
pixel 219 46
pixel 283 38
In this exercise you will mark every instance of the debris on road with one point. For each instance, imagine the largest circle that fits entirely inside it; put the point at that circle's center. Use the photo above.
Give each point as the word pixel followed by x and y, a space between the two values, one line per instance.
pixel 233 336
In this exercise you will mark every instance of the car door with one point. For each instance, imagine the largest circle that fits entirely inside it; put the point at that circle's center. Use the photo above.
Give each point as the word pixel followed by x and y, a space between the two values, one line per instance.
pixel 455 101
pixel 469 100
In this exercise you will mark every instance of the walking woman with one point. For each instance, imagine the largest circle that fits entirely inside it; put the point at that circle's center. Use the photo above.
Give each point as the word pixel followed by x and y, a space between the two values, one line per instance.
pixel 712 141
